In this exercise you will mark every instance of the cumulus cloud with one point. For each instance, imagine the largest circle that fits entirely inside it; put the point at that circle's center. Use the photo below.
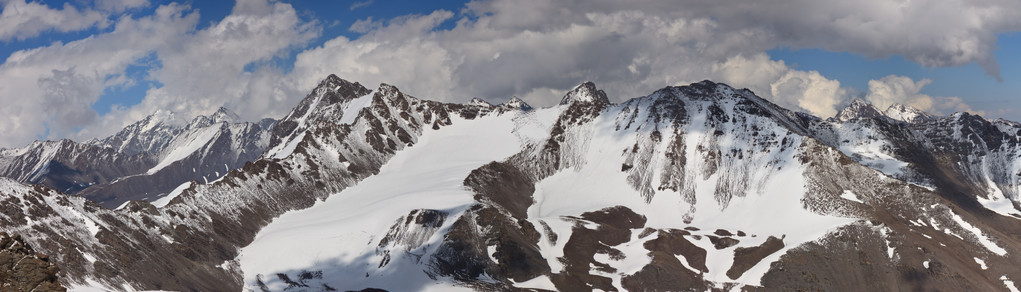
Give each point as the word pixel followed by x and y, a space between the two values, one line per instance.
pixel 536 49
pixel 207 69
pixel 20 20
pixel 496 49
pixel 42 85
pixel 894 89
pixel 67 97
pixel 198 70
pixel 499 55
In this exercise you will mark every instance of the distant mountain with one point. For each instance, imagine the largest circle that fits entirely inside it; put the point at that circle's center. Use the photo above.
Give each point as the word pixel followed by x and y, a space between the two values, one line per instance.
pixel 145 160
pixel 699 187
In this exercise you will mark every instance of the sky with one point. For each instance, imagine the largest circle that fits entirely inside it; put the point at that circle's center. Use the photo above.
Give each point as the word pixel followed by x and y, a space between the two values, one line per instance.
pixel 82 69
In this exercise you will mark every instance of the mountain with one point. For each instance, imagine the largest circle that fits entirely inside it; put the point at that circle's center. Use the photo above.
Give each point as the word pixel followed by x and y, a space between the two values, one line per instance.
pixel 905 113
pixel 145 160
pixel 698 187
pixel 858 109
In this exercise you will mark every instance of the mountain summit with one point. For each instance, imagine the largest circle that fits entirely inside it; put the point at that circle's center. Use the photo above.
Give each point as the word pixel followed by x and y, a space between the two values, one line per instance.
pixel 858 109
pixel 585 93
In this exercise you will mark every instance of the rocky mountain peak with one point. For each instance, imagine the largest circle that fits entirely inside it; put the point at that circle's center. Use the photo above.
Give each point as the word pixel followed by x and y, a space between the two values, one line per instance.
pixel 517 103
pixel 858 109
pixel 333 89
pixel 585 93
pixel 225 115
pixel 318 105
pixel 479 102
pixel 221 115
pixel 148 135
pixel 905 113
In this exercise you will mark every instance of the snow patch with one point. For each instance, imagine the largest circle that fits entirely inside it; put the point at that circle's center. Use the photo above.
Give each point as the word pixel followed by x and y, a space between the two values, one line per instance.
pixel 1010 284
pixel 186 145
pixel 981 263
pixel 163 201
pixel 982 239
pixel 540 282
pixel 848 195
pixel 354 106
pixel 336 235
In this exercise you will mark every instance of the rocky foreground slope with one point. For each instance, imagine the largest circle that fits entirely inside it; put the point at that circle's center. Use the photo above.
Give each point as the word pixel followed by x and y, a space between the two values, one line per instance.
pixel 689 188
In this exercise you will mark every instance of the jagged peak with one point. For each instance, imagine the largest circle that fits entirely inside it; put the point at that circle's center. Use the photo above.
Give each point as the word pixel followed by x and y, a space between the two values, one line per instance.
pixel 517 103
pixel 585 93
pixel 333 81
pixel 858 109
pixel 337 89
pixel 387 89
pixel 221 115
pixel 225 115
pixel 479 102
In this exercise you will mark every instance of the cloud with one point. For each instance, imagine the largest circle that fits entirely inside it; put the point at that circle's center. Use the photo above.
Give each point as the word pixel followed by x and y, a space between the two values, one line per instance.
pixel 42 85
pixel 67 96
pixel 21 20
pixel 495 49
pixel 219 66
pixel 360 4
pixel 49 90
pixel 894 89
pixel 498 55
pixel 365 25
pixel 119 5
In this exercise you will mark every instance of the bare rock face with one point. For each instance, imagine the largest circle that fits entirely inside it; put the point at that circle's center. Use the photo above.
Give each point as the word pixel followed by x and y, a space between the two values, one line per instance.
pixel 23 269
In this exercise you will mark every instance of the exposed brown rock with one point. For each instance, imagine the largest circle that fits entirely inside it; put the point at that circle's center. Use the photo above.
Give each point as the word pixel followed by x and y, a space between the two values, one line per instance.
pixel 23 270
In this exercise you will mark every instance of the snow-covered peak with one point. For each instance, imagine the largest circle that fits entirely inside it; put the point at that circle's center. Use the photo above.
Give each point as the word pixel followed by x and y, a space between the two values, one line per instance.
pixel 220 116
pixel 517 103
pixel 323 103
pixel 225 115
pixel 479 102
pixel 148 135
pixel 905 113
pixel 160 118
pixel 586 93
pixel 858 109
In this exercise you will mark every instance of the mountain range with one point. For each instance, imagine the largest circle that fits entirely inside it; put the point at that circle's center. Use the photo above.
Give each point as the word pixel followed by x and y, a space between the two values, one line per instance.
pixel 697 187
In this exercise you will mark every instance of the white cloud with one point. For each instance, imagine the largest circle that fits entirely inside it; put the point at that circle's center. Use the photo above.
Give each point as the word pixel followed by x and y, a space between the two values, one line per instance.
pixel 627 53
pixel 207 69
pixel 21 20
pixel 810 91
pixel 535 49
pixel 67 96
pixel 50 89
pixel 894 89
pixel 360 4
pixel 365 25
pixel 119 5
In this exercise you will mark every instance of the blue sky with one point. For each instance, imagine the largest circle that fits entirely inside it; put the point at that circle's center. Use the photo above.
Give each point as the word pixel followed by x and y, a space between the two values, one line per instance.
pixel 82 69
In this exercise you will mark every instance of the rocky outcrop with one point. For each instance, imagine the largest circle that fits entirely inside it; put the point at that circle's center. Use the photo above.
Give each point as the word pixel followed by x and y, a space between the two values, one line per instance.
pixel 23 269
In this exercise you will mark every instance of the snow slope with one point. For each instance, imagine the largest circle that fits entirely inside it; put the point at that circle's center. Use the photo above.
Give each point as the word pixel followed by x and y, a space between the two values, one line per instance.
pixel 339 235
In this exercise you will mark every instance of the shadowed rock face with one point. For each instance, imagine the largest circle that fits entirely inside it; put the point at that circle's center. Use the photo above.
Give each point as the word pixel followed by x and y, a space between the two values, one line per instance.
pixel 23 269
